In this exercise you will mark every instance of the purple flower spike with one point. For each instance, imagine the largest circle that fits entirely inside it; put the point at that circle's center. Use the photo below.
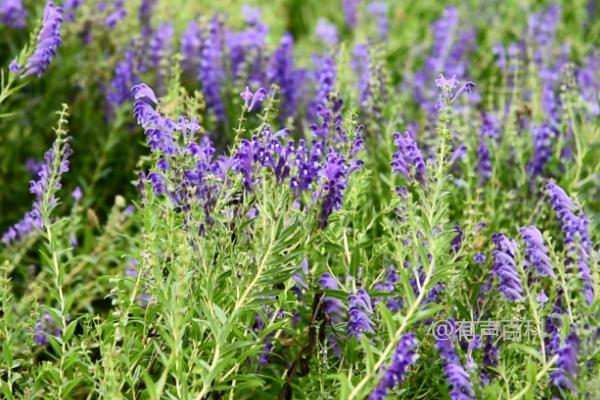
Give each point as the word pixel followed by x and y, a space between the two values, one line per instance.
pixel 505 268
pixel 48 41
pixel 350 8
pixel 281 71
pixel 566 374
pixel 543 147
pixel 408 160
pixel 39 186
pixel 358 320
pixel 160 45
pixel 403 358
pixel 577 236
pixel 124 77
pixel 536 254
pixel 462 389
pixel 211 72
pixel 333 181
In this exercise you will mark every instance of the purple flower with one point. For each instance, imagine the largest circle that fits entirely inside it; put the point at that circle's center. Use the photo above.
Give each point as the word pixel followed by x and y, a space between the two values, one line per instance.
pixel 45 326
pixel 332 180
pixel 479 258
pixel 505 268
pixel 246 95
pixel 145 11
pixel 244 158
pixel 329 129
pixel 350 9
pixel 191 47
pixel 457 241
pixel 362 68
pixel 403 358
pixel 160 44
pixel 70 7
pixel 253 100
pixel 577 237
pixel 247 49
pixel 358 320
pixel 379 11
pixel 48 41
pixel 14 67
pixel 542 298
pixel 462 389
pixel 543 147
pixel 484 162
pixel 77 194
pixel 211 72
pixel 12 13
pixel 47 183
pixel 281 71
pixel 124 77
pixel 566 374
pixel 536 254
pixel 118 14
pixel 325 78
pixel 408 160
pixel 327 32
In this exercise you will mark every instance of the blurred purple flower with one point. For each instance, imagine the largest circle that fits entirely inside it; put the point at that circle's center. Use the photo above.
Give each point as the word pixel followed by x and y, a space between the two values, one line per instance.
pixel 350 9
pixel 327 32
pixel 12 13
pixel 379 11
pixel 282 72
pixel 566 374
pixel 44 327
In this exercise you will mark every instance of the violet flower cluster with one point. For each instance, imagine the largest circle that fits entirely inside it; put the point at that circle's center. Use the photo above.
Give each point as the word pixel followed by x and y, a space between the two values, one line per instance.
pixel 408 160
pixel 505 268
pixel 359 310
pixel 45 184
pixel 536 253
pixel 576 236
pixel 48 41
pixel 403 358
pixel 458 378
pixel 12 13
pixel 567 370
pixel 192 184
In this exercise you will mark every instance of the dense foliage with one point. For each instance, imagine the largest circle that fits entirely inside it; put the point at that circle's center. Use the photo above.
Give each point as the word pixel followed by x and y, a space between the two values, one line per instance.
pixel 299 199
